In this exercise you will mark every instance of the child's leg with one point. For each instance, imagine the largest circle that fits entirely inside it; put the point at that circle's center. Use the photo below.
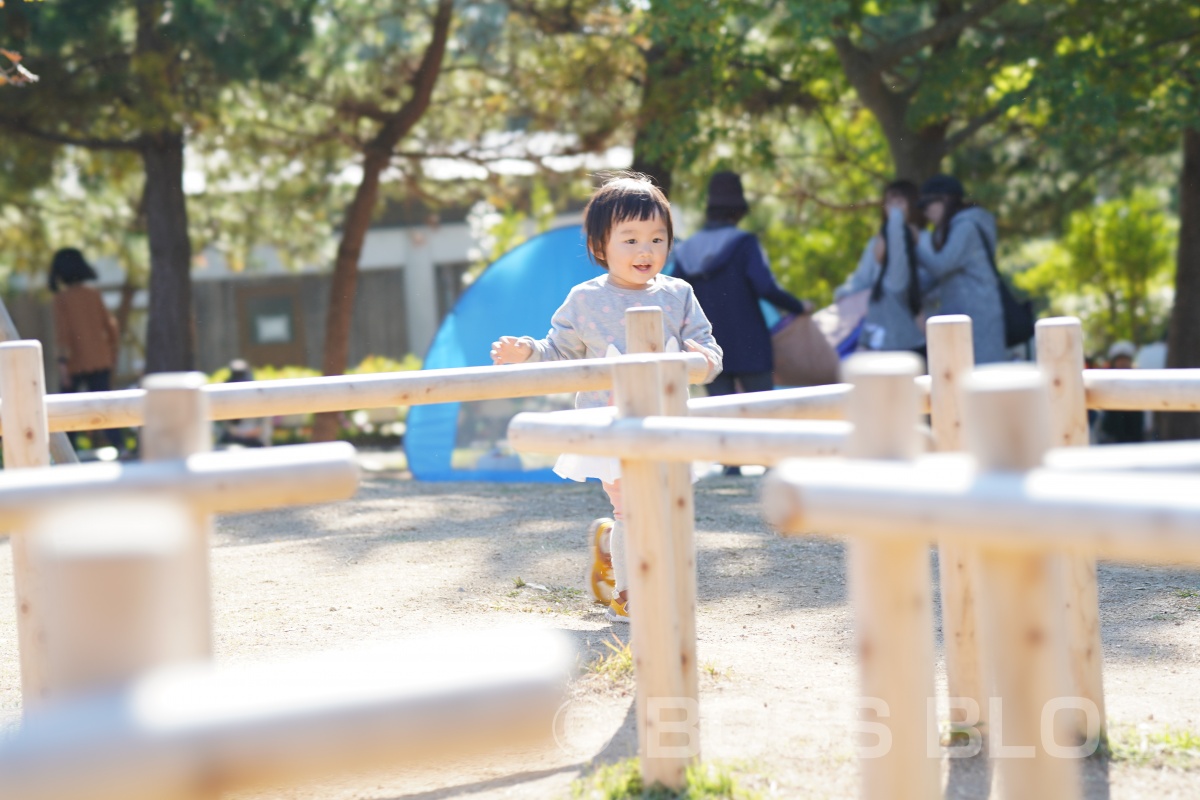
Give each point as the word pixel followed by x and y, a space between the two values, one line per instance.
pixel 617 539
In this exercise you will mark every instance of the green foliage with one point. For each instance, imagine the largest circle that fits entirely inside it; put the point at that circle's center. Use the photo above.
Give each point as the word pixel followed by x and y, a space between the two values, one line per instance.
pixel 373 364
pixel 369 365
pixel 1112 268
pixel 1171 747
pixel 616 664
pixel 623 781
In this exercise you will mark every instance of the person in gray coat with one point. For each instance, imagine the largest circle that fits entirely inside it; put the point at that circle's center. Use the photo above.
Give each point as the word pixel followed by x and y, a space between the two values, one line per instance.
pixel 888 268
pixel 958 255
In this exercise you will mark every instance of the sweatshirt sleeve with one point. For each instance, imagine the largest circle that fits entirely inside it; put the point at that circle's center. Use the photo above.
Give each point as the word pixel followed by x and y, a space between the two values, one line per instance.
pixel 563 342
pixel 697 327
pixel 863 276
pixel 759 274
pixel 898 269
pixel 953 256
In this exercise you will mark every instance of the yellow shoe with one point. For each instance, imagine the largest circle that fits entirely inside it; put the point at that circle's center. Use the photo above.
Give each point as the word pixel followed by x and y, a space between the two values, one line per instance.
pixel 601 578
pixel 618 611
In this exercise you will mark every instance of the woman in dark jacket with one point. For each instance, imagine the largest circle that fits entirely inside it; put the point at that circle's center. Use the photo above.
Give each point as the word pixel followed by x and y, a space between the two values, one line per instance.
pixel 728 270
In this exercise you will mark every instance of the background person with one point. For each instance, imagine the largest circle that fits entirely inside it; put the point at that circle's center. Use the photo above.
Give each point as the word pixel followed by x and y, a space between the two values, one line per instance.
pixel 888 268
pixel 1121 427
pixel 959 255
pixel 728 271
pixel 86 339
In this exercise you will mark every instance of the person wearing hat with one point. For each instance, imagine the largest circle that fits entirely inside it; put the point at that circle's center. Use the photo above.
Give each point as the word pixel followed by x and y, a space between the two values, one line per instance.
pixel 959 255
pixel 728 271
pixel 85 333
pixel 1121 427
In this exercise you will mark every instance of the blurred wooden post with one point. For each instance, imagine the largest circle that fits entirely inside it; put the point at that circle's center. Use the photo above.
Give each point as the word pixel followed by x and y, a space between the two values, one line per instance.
pixel 1008 431
pixel 60 446
pixel 644 334
pixel 951 360
pixel 681 509
pixel 113 574
pixel 654 618
pixel 890 589
pixel 1060 358
pixel 26 445
pixel 177 426
pixel 644 330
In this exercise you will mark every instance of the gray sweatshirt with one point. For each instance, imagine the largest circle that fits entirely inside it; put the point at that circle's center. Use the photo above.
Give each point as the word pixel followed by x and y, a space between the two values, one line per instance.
pixel 889 324
pixel 966 283
pixel 591 324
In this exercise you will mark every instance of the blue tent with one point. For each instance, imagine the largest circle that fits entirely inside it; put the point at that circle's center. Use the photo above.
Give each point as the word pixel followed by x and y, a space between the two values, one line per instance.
pixel 515 296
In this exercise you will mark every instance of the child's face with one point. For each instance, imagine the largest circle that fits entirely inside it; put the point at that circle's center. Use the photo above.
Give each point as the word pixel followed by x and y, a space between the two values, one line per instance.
pixel 636 252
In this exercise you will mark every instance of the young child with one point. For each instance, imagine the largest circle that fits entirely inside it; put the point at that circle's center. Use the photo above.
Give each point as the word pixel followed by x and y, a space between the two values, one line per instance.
pixel 628 227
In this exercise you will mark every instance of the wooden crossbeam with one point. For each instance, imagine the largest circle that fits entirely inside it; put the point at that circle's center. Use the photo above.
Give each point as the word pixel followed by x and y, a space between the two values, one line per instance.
pixel 92 410
pixel 195 731
pixel 730 441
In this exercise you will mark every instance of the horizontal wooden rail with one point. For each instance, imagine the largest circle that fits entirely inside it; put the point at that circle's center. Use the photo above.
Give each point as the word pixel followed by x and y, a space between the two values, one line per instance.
pixel 190 732
pixel 224 482
pixel 812 402
pixel 1142 389
pixel 730 441
pixel 98 410
pixel 1155 457
pixel 1120 515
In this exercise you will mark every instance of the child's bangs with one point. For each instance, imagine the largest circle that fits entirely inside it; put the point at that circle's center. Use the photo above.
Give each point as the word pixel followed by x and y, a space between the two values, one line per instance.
pixel 638 207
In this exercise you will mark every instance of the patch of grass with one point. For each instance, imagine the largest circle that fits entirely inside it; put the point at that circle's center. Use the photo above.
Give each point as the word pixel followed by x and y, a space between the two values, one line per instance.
pixel 1170 747
pixel 518 581
pixel 623 781
pixel 617 664
pixel 714 672
pixel 1186 593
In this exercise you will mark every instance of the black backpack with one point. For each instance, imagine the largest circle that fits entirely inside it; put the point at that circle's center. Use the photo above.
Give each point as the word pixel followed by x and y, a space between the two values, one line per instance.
pixel 1018 314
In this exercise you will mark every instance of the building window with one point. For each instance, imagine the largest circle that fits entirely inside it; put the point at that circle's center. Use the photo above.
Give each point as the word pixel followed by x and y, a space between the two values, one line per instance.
pixel 451 280
pixel 271 319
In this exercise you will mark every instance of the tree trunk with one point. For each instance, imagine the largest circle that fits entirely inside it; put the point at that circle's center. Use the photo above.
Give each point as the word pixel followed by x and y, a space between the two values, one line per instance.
pixel 654 118
pixel 1183 337
pixel 170 335
pixel 345 283
pixel 916 155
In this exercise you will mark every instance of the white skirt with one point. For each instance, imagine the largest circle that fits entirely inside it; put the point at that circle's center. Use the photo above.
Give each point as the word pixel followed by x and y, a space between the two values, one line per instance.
pixel 579 468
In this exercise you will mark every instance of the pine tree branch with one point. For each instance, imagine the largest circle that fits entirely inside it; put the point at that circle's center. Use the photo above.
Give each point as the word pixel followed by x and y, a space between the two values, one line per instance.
pixel 943 30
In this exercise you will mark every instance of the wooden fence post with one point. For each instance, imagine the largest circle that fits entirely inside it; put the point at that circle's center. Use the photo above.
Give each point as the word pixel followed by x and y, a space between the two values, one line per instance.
pixel 26 445
pixel 951 360
pixel 890 586
pixel 60 446
pixel 114 608
pixel 1008 430
pixel 644 330
pixel 644 333
pixel 1060 358
pixel 681 506
pixel 177 426
pixel 654 618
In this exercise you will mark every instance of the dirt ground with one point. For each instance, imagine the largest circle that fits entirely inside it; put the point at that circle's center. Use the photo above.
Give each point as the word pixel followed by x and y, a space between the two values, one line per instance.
pixel 775 635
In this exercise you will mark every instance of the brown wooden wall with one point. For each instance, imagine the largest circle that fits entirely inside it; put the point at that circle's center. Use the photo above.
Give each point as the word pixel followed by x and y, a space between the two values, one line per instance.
pixel 225 312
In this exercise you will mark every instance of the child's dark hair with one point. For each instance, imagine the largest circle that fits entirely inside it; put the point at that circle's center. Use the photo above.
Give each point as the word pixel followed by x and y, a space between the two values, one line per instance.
pixel 69 267
pixel 624 197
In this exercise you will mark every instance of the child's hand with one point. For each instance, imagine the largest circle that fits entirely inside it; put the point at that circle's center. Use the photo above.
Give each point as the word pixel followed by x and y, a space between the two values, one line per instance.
pixel 510 350
pixel 709 356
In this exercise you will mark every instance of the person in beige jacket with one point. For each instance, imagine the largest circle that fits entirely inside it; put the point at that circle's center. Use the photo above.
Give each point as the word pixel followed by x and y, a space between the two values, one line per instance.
pixel 86 334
